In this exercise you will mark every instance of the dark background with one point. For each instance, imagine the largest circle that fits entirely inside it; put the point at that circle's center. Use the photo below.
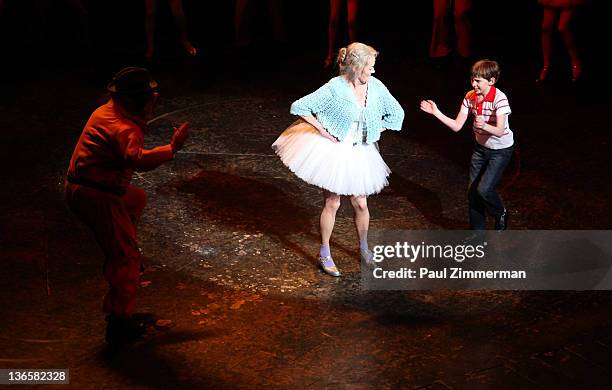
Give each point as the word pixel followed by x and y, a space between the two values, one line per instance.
pixel 51 31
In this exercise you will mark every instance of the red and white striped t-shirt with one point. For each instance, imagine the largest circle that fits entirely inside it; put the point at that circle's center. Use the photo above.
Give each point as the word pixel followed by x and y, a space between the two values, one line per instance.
pixel 493 104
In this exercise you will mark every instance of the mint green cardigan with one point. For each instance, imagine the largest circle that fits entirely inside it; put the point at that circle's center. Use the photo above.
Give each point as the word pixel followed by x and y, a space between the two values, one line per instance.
pixel 335 107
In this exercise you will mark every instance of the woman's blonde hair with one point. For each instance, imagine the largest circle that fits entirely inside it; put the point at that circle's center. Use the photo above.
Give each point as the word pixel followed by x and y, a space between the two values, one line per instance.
pixel 353 58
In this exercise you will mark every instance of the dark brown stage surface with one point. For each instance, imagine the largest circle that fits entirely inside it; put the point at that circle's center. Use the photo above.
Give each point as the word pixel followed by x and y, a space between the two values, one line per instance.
pixel 230 235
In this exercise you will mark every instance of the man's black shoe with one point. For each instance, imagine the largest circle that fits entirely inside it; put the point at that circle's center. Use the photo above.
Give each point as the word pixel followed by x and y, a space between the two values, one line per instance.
pixel 123 330
pixel 501 222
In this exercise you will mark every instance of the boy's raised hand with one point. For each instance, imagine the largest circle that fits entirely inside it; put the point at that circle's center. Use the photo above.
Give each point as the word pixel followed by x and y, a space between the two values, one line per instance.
pixel 428 106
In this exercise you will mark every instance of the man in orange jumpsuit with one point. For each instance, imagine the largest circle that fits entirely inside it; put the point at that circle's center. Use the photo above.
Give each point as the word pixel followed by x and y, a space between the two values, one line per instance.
pixel 99 192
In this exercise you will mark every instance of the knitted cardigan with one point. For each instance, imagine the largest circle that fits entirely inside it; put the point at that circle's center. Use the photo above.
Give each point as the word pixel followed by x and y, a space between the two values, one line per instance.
pixel 335 107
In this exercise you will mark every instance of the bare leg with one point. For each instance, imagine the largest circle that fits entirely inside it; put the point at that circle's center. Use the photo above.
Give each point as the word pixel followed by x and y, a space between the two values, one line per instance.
pixel 176 6
pixel 362 216
pixel 565 29
pixel 79 16
pixel 38 21
pixel 462 27
pixel 275 9
pixel 548 21
pixel 327 221
pixel 150 27
pixel 242 36
pixel 362 223
pixel 332 30
pixel 439 34
pixel 328 216
pixel 352 8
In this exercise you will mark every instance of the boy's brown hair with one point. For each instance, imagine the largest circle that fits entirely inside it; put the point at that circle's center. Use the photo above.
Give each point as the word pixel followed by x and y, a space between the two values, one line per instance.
pixel 485 69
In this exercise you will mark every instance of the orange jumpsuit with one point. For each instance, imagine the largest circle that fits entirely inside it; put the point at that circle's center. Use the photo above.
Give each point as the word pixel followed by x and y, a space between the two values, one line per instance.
pixel 98 191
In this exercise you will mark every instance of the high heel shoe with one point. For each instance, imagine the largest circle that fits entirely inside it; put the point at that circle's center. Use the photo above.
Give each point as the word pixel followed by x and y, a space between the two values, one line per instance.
pixel 328 265
pixel 189 49
pixel 328 61
pixel 543 74
pixel 149 54
pixel 576 72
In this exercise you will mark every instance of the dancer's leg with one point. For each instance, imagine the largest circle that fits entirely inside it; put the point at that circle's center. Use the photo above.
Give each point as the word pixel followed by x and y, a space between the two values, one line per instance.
pixel 439 34
pixel 352 8
pixel 362 219
pixel 150 27
pixel 565 29
pixel 328 216
pixel 332 30
pixel 462 27
pixel 548 21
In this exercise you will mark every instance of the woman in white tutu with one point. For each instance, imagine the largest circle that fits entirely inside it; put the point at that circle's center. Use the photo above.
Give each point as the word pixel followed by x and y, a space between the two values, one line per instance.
pixel 333 145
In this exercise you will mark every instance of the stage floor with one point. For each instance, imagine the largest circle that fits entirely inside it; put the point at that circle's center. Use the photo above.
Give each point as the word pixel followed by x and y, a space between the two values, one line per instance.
pixel 230 237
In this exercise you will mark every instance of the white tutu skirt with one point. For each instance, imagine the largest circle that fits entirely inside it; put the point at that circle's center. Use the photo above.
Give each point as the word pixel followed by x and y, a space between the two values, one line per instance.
pixel 338 167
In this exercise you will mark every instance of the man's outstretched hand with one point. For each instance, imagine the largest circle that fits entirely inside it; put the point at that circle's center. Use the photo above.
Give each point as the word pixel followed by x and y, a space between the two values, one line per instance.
pixel 179 137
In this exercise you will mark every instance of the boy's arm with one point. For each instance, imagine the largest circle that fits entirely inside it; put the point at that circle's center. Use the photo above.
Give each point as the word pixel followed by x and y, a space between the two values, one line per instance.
pixel 498 130
pixel 454 124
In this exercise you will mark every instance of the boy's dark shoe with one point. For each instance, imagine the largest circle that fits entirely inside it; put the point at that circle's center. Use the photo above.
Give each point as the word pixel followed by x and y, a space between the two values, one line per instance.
pixel 474 238
pixel 501 222
pixel 123 330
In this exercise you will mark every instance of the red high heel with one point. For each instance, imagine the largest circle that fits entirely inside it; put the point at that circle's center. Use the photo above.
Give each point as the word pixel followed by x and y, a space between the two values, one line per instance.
pixel 576 72
pixel 189 49
pixel 328 61
pixel 149 54
pixel 543 74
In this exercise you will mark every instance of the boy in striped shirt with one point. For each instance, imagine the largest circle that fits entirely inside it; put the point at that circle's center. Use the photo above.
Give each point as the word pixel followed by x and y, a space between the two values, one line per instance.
pixel 494 142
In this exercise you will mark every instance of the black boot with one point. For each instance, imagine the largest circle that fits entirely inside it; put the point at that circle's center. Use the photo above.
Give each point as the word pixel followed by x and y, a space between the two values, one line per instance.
pixel 501 222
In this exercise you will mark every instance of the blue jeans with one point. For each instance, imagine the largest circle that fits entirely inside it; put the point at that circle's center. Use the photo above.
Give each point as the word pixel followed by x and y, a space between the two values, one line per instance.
pixel 486 170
